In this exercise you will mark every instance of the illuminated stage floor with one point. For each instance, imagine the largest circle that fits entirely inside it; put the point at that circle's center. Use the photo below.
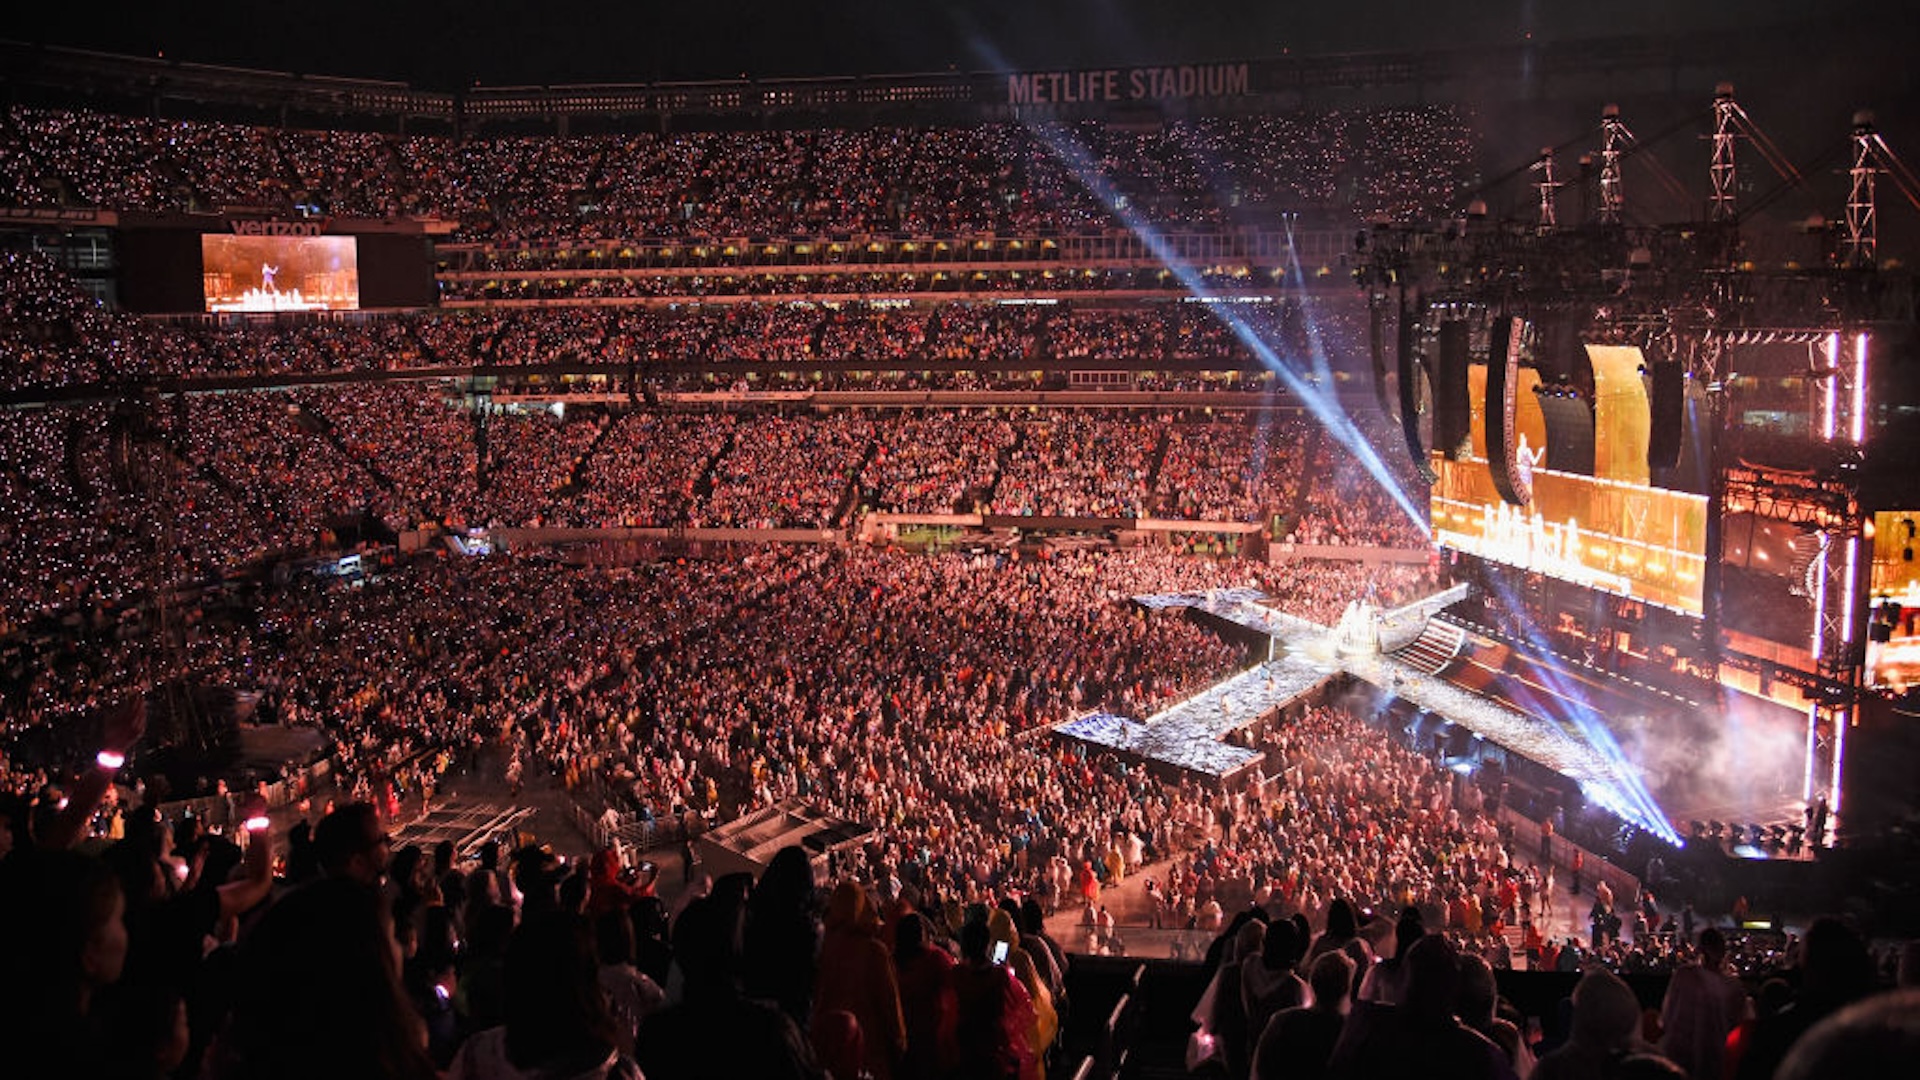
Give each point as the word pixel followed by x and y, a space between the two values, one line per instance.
pixel 1305 656
pixel 1189 735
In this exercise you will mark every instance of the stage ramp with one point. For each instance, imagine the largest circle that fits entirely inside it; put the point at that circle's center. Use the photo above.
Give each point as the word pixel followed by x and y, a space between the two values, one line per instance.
pixel 748 843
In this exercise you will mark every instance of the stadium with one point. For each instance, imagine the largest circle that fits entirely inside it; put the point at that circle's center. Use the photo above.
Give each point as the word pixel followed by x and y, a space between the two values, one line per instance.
pixel 1196 546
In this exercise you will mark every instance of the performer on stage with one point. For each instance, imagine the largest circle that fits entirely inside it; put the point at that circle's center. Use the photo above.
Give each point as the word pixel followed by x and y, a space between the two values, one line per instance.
pixel 1525 459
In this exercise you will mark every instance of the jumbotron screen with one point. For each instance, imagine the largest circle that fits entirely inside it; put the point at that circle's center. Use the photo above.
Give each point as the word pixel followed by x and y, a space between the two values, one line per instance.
pixel 1612 530
pixel 279 273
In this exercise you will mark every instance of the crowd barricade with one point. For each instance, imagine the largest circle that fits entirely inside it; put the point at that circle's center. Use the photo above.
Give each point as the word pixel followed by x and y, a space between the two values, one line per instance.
pixel 1526 848
pixel 633 832
pixel 221 810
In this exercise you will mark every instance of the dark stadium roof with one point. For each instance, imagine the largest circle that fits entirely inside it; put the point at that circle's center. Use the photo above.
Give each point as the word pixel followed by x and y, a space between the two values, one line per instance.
pixel 448 43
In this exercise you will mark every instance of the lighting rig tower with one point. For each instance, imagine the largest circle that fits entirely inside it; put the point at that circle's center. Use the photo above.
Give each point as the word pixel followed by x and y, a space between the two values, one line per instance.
pixel 1731 124
pixel 1546 185
pixel 1817 492
pixel 1615 140
pixel 1863 227
pixel 1724 173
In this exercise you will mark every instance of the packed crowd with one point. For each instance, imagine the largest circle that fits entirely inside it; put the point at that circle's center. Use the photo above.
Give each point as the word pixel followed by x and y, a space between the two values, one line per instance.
pixel 939 463
pixel 1226 471
pixel 1345 815
pixel 178 952
pixel 1075 465
pixel 594 667
pixel 529 455
pixel 789 472
pixel 836 285
pixel 1207 173
pixel 71 537
pixel 649 468
pixel 887 689
pixel 1285 1001
pixel 1342 504
pixel 103 498
pixel 902 693
pixel 53 335
pixel 412 439
pixel 1378 893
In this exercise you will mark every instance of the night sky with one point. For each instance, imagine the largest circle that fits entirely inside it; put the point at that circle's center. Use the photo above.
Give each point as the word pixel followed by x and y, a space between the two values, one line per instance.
pixel 446 43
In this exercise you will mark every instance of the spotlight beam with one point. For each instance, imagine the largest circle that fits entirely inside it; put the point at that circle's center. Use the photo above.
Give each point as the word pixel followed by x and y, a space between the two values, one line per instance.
pixel 1629 797
pixel 1320 401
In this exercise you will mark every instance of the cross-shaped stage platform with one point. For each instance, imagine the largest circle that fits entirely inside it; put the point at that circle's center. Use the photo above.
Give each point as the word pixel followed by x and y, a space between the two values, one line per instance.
pixel 1383 648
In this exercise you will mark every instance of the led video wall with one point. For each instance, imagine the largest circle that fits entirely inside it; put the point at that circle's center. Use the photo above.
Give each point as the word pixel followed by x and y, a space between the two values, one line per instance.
pixel 1609 530
pixel 279 273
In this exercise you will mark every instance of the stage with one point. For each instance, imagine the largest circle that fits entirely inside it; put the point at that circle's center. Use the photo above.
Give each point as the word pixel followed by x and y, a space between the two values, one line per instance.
pixel 1575 726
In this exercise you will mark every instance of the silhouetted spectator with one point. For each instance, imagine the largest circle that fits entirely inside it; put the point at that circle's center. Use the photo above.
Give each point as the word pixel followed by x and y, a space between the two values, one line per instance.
pixel 1385 982
pixel 714 1032
pixel 1834 972
pixel 319 995
pixel 783 934
pixel 62 944
pixel 926 999
pixel 856 977
pixel 993 1014
pixel 1297 1043
pixel 1868 1038
pixel 1703 1004
pixel 352 842
pixel 1419 1037
pixel 1476 1003
pixel 1269 983
pixel 1229 1020
pixel 1606 1029
pixel 631 995
pixel 1342 927
pixel 557 1022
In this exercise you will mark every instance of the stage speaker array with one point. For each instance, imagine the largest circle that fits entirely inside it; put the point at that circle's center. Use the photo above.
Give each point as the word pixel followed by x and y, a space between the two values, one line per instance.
pixel 1569 417
pixel 1513 480
pixel 1669 406
pixel 1376 351
pixel 1410 375
pixel 1452 409
pixel 1558 352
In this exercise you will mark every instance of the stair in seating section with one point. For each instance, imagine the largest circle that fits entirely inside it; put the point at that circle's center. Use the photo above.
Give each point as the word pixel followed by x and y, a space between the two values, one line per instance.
pixel 1438 645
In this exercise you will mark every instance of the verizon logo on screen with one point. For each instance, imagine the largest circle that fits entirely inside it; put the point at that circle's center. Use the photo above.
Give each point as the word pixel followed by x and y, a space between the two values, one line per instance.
pixel 278 228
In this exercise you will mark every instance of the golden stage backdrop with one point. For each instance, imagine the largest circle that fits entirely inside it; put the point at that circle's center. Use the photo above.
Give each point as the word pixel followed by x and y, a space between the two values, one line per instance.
pixel 1629 539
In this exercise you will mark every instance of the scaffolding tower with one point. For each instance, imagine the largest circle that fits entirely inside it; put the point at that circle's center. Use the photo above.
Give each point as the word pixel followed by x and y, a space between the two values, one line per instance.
pixel 1615 138
pixel 1724 171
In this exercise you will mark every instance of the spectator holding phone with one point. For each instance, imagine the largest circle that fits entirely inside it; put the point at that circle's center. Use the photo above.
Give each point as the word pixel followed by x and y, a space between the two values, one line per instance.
pixel 995 1014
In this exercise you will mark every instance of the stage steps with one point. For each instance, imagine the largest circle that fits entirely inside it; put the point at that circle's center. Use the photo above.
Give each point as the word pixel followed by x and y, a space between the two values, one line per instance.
pixel 468 823
pixel 1437 647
